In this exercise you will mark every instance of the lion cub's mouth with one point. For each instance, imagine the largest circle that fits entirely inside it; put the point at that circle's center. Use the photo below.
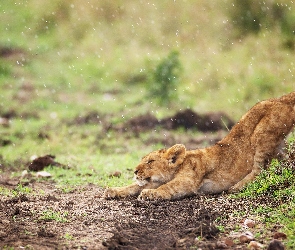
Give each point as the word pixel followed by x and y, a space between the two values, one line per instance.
pixel 142 182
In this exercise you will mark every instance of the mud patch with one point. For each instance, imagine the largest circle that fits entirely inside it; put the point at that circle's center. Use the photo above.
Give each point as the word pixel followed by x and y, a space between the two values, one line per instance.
pixel 6 52
pixel 186 119
pixel 13 114
pixel 189 119
pixel 41 162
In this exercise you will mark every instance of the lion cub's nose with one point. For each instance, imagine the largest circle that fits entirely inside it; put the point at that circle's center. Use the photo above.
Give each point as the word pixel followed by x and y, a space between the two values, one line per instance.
pixel 136 171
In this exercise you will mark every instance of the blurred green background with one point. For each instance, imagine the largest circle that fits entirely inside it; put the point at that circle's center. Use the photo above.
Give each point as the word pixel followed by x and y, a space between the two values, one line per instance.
pixel 236 52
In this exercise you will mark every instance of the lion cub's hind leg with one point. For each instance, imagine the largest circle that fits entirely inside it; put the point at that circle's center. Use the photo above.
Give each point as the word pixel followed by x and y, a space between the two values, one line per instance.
pixel 249 177
pixel 266 138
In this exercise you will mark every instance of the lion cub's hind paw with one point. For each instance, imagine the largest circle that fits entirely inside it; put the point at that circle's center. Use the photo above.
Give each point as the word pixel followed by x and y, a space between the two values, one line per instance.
pixel 234 189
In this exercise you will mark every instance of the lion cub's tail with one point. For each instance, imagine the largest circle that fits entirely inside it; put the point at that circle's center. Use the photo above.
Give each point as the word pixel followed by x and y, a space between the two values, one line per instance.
pixel 288 99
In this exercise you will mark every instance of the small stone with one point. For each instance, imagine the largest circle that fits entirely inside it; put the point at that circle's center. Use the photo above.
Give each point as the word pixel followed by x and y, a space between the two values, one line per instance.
pixel 255 245
pixel 221 245
pixel 33 157
pixel 43 174
pixel 279 235
pixel 24 173
pixel 246 237
pixel 4 122
pixel 276 245
pixel 229 242
pixel 249 223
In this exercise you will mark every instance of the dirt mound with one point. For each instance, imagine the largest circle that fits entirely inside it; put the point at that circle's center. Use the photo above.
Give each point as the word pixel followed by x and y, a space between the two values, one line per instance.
pixel 41 162
pixel 9 51
pixel 189 119
pixel 11 114
pixel 186 119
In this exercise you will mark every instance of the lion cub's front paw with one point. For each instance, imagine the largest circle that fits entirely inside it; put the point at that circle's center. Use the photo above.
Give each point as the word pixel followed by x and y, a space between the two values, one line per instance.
pixel 153 194
pixel 112 193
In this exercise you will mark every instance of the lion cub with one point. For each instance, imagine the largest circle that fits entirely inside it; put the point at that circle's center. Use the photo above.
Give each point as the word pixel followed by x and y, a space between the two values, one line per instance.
pixel 226 166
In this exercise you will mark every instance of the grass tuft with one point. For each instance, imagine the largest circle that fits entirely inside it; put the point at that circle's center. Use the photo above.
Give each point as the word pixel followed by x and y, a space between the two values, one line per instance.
pixel 51 215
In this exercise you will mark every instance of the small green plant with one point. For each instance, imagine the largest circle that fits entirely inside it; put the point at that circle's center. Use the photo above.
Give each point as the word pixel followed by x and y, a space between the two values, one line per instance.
pixel 220 228
pixel 50 215
pixel 165 79
pixel 68 236
pixel 67 189
pixel 20 189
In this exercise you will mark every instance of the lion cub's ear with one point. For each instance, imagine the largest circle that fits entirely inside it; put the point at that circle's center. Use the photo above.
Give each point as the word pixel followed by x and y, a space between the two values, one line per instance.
pixel 176 154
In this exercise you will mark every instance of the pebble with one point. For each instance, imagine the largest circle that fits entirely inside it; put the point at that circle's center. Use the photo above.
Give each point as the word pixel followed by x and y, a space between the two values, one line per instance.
pixel 43 174
pixel 249 223
pixel 24 173
pixel 276 245
pixel 221 245
pixel 229 242
pixel 4 122
pixel 280 235
pixel 246 237
pixel 255 245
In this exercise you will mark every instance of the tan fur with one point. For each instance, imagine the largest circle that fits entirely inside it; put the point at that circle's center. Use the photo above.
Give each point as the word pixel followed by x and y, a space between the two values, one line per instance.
pixel 226 166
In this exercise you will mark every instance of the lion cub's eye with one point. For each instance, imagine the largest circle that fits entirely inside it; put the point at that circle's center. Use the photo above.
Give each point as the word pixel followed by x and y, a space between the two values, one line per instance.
pixel 150 161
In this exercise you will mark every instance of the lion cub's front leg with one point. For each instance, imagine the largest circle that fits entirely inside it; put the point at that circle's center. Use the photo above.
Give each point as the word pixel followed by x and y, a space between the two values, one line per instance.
pixel 131 190
pixel 122 192
pixel 177 188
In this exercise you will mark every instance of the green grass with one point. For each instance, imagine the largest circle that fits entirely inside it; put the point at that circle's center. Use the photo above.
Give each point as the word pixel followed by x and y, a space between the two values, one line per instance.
pixel 17 191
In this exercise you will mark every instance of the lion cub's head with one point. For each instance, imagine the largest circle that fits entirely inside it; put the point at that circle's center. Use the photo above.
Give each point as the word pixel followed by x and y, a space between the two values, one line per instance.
pixel 159 166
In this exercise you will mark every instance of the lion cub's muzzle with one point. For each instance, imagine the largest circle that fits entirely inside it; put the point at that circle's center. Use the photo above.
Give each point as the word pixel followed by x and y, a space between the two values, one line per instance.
pixel 141 181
